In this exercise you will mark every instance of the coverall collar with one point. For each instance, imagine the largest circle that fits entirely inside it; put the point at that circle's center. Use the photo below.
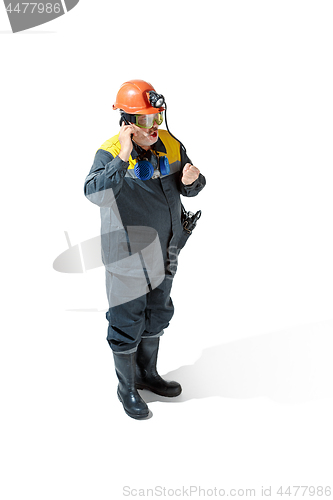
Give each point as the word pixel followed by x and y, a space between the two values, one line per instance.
pixel 158 146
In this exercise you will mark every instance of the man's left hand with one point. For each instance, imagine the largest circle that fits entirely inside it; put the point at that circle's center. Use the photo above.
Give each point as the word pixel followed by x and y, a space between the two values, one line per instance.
pixel 190 174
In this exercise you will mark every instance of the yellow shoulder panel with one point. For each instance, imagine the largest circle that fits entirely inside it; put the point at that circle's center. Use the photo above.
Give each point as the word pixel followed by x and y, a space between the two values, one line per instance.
pixel 113 146
pixel 171 145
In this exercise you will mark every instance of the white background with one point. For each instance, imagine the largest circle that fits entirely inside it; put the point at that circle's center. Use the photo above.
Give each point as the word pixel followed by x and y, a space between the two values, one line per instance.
pixel 249 92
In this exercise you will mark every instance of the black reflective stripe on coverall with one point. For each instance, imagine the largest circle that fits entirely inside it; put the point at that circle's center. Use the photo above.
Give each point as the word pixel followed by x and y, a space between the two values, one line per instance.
pixel 153 203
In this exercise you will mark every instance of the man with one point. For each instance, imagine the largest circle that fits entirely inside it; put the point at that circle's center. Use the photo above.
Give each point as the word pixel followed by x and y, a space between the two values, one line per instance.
pixel 137 178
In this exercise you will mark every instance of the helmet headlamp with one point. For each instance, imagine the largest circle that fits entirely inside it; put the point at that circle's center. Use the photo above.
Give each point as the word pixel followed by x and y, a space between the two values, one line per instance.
pixel 155 99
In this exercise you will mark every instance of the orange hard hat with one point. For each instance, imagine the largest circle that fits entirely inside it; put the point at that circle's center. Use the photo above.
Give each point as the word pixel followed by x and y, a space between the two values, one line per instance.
pixel 133 98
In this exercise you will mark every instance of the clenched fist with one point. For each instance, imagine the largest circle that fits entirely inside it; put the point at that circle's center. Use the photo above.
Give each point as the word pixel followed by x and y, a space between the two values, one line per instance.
pixel 190 174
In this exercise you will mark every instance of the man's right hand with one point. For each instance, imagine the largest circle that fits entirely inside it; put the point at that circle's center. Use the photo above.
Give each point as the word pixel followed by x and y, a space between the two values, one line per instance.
pixel 125 140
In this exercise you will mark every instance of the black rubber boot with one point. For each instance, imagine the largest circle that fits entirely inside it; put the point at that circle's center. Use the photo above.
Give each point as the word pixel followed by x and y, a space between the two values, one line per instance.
pixel 133 403
pixel 146 373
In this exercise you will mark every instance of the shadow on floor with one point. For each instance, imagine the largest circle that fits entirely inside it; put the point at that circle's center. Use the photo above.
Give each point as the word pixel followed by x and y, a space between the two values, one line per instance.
pixel 290 366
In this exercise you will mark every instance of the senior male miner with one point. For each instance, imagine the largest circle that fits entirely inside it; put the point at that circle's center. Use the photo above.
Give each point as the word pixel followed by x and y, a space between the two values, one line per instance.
pixel 137 178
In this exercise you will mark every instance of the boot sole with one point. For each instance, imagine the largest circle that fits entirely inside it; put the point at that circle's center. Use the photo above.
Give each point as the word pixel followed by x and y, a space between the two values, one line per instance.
pixel 132 415
pixel 148 388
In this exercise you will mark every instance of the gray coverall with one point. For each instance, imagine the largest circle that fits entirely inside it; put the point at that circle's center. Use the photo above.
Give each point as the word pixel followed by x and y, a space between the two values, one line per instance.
pixel 153 204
